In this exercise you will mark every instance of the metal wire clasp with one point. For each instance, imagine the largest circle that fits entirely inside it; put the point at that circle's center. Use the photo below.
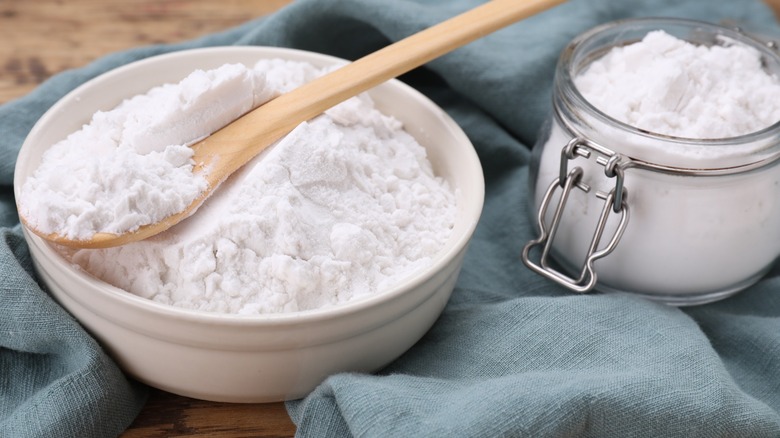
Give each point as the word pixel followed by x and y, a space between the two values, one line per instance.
pixel 614 202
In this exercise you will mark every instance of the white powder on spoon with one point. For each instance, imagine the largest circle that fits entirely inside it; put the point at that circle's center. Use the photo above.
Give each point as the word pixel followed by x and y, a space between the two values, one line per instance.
pixel 669 86
pixel 132 166
pixel 344 206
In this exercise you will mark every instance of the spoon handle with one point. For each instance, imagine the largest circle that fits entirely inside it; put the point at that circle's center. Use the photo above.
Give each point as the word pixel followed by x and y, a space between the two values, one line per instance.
pixel 246 137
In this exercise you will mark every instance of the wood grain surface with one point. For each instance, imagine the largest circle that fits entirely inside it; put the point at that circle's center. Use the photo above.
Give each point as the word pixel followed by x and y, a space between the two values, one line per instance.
pixel 169 415
pixel 43 37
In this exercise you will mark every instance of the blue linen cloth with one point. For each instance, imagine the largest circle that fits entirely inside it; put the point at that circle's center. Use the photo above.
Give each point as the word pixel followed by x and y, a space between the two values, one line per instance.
pixel 512 354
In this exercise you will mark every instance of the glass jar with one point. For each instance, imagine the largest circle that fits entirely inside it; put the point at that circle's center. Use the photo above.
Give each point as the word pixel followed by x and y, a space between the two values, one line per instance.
pixel 678 220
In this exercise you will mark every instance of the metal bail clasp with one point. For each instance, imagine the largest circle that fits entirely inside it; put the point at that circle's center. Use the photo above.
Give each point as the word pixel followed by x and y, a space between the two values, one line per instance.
pixel 614 201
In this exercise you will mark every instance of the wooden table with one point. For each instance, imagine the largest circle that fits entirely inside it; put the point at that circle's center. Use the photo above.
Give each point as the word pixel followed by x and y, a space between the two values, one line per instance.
pixel 43 37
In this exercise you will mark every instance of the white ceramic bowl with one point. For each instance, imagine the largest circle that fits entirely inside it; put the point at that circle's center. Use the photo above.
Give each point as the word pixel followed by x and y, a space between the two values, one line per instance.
pixel 261 358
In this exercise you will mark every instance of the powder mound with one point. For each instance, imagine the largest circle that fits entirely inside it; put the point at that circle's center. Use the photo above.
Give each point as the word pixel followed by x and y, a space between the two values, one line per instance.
pixel 343 207
pixel 669 86
pixel 131 165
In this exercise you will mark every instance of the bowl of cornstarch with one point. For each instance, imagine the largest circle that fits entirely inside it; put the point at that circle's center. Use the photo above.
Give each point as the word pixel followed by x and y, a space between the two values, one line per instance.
pixel 333 251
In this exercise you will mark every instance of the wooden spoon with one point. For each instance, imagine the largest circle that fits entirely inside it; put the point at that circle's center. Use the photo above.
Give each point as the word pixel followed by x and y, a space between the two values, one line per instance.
pixel 225 151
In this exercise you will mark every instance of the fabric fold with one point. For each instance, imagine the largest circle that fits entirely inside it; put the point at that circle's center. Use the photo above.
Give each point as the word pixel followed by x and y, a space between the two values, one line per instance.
pixel 55 380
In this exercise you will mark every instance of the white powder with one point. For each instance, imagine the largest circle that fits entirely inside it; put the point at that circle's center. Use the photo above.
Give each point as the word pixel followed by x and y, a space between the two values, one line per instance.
pixel 669 86
pixel 132 166
pixel 344 206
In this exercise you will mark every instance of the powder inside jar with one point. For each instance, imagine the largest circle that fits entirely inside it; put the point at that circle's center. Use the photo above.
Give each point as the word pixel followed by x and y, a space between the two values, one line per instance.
pixel 669 86
pixel 702 193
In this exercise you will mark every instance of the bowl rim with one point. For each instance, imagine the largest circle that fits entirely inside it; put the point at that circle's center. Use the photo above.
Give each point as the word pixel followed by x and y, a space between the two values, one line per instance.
pixel 472 211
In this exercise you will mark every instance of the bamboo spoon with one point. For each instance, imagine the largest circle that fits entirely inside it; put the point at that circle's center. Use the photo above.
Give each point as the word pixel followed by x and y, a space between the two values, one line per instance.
pixel 225 151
